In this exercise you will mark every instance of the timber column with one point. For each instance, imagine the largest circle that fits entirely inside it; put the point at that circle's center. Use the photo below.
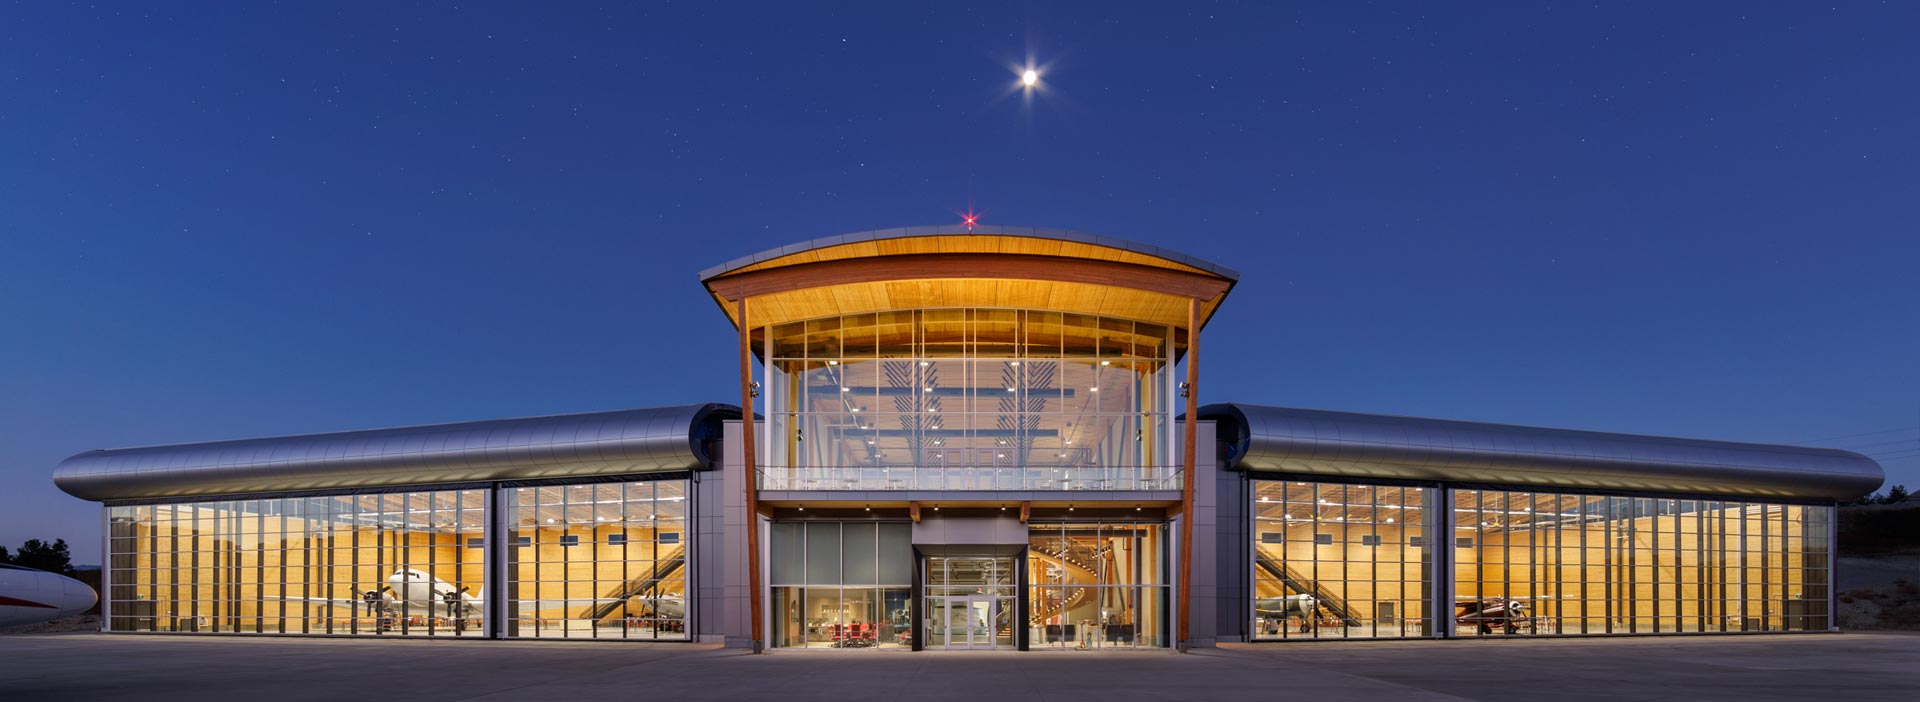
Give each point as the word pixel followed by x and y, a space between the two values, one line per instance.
pixel 1191 389
pixel 752 482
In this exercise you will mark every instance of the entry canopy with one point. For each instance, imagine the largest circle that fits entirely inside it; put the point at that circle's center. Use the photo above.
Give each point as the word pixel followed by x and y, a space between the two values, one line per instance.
pixel 957 266
pixel 1366 446
pixel 561 446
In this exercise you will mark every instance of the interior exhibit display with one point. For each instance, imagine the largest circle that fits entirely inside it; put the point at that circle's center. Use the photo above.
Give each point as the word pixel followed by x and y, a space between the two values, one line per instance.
pixel 968 438
pixel 1333 560
pixel 1098 585
pixel 378 565
pixel 842 584
pixel 601 560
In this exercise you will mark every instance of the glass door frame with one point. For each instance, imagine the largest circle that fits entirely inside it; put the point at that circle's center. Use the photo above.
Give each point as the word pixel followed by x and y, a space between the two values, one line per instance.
pixel 993 596
pixel 975 638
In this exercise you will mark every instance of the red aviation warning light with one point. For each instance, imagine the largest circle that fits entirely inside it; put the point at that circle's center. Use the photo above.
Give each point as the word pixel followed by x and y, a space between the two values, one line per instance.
pixel 970 219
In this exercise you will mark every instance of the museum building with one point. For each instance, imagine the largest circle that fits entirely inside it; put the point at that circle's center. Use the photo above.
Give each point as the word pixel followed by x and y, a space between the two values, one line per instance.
pixel 969 438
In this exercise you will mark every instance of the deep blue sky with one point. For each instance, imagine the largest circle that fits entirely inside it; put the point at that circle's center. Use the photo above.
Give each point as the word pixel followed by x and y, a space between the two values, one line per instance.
pixel 250 219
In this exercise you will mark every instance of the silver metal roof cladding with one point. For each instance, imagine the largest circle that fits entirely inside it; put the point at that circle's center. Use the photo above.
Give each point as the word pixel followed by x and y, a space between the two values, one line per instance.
pixel 1360 446
pixel 978 230
pixel 559 446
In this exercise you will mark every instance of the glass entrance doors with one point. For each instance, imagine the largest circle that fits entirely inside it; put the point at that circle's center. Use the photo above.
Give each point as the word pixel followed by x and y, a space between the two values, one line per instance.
pixel 964 622
pixel 969 602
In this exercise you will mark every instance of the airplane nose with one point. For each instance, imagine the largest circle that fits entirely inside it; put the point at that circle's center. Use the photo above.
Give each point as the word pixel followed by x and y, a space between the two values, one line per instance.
pixel 76 597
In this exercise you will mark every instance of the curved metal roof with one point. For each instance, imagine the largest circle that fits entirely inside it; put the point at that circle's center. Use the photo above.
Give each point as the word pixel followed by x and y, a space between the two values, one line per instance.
pixel 1350 445
pixel 559 446
pixel 963 230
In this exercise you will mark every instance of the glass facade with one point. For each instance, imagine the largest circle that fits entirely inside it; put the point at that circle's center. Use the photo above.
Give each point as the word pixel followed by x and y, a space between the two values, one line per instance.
pixel 1340 561
pixel 1546 563
pixel 968 399
pixel 1097 585
pixel 841 584
pixel 396 564
pixel 1357 561
pixel 606 560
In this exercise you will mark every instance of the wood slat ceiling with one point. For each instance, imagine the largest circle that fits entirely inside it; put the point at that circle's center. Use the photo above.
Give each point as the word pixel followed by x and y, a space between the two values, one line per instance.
pixel 969 243
pixel 957 271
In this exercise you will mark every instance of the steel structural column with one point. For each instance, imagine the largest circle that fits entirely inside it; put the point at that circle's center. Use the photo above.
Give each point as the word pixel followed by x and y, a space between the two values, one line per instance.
pixel 1441 610
pixel 1833 567
pixel 1187 472
pixel 106 568
pixel 493 573
pixel 751 481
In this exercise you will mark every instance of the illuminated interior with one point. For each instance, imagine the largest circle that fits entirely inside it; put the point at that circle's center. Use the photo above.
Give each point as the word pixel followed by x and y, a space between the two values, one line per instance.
pixel 1354 561
pixel 968 399
pixel 842 585
pixel 369 565
pixel 1340 561
pixel 606 560
pixel 1095 585
pixel 1585 564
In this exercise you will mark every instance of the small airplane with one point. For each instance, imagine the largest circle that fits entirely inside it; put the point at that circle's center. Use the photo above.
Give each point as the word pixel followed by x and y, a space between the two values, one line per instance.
pixel 1284 608
pixel 29 596
pixel 414 592
pixel 1506 612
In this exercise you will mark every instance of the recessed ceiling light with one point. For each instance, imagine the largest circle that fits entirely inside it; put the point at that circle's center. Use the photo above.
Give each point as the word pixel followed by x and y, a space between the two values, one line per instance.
pixel 833 363
pixel 1093 389
pixel 1106 363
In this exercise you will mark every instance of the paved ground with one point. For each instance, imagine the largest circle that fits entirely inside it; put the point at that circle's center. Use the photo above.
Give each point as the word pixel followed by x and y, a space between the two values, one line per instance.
pixel 1826 668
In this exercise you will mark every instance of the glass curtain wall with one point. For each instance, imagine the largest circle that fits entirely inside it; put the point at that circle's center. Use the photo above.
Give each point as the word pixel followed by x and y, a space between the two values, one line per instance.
pixel 1545 563
pixel 842 584
pixel 968 399
pixel 1334 561
pixel 1097 585
pixel 599 561
pixel 396 564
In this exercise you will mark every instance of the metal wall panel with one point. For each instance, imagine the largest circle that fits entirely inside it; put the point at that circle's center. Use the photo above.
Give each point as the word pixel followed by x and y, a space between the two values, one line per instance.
pixel 1366 446
pixel 560 446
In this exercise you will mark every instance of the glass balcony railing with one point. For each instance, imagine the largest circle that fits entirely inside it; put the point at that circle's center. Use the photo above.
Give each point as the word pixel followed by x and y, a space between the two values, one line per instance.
pixel 971 478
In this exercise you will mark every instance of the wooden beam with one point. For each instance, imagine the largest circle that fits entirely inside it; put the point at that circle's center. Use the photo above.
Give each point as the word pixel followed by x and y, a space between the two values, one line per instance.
pixel 913 511
pixel 752 481
pixel 1026 510
pixel 1191 429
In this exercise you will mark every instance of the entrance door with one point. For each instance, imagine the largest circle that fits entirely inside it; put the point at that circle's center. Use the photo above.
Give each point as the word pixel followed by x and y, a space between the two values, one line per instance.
pixel 966 622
